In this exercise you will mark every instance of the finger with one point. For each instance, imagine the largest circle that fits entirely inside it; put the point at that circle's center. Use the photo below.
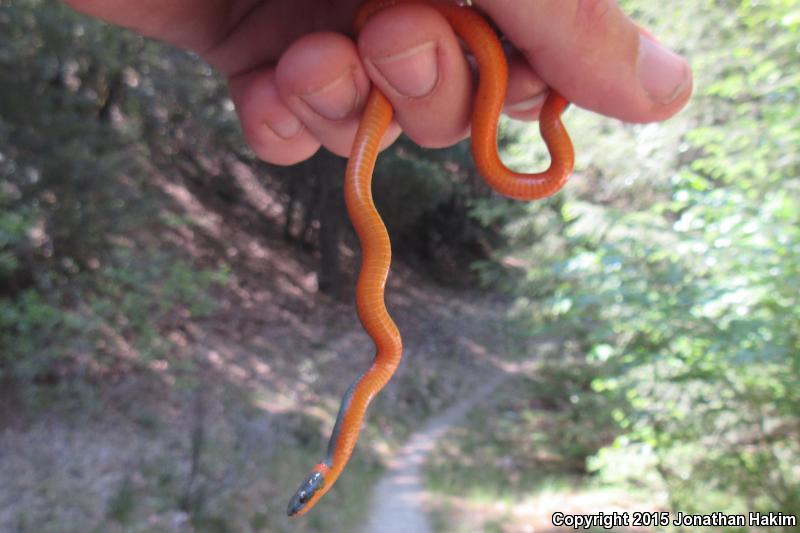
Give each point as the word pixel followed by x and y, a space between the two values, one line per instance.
pixel 185 23
pixel 526 91
pixel 262 30
pixel 271 129
pixel 595 56
pixel 320 78
pixel 412 55
pixel 232 36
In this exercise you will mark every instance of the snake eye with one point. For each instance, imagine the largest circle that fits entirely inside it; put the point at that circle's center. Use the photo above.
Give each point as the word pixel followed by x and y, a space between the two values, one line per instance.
pixel 308 488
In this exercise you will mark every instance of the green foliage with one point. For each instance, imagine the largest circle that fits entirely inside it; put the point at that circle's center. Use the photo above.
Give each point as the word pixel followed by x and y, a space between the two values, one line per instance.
pixel 409 185
pixel 122 502
pixel 14 228
pixel 56 147
pixel 81 281
pixel 119 319
pixel 537 434
pixel 687 293
pixel 32 334
pixel 425 197
pixel 138 295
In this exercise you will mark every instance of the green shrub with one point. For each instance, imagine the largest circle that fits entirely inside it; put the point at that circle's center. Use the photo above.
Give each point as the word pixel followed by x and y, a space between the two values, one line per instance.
pixel 678 270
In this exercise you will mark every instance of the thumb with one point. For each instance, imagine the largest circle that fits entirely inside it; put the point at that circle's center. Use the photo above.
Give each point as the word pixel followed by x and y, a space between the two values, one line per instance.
pixel 594 55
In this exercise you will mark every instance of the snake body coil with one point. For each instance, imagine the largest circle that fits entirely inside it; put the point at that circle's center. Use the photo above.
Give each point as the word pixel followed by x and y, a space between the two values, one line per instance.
pixel 483 43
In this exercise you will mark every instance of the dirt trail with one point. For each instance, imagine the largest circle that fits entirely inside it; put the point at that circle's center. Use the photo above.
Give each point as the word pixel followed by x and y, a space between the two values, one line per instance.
pixel 398 498
pixel 265 363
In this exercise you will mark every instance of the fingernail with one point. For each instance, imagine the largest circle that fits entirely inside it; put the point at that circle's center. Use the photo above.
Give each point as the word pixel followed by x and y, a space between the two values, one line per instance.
pixel 285 129
pixel 412 73
pixel 662 73
pixel 335 101
pixel 526 105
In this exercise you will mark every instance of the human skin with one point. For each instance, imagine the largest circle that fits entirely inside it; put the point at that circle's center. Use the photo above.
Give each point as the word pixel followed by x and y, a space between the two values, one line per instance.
pixel 299 79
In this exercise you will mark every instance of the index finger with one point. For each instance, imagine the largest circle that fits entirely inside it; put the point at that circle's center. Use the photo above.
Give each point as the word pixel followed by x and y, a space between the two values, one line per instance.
pixel 593 54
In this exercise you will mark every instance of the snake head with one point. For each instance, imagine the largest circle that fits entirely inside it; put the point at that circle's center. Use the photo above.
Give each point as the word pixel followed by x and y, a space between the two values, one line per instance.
pixel 308 492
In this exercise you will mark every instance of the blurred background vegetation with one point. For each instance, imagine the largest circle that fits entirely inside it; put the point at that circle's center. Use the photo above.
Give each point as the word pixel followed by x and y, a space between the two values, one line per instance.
pixel 158 284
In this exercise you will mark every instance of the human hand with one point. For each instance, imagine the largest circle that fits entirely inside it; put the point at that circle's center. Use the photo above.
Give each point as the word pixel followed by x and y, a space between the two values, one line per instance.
pixel 299 80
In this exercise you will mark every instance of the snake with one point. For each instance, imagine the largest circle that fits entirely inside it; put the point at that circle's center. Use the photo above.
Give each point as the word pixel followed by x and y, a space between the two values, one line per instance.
pixel 481 40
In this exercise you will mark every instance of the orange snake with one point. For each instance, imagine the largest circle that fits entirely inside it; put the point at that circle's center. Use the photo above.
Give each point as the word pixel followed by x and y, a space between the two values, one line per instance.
pixel 482 42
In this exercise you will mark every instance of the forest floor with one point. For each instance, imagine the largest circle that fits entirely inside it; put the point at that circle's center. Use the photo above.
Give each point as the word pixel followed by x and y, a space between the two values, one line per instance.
pixel 402 503
pixel 398 500
pixel 217 436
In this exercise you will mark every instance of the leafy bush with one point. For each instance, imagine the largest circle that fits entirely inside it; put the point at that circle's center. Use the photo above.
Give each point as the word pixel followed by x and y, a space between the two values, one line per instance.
pixel 688 294
pixel 81 280
pixel 104 320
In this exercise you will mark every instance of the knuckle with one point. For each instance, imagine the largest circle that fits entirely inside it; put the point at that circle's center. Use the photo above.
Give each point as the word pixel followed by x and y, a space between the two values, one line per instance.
pixel 592 13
